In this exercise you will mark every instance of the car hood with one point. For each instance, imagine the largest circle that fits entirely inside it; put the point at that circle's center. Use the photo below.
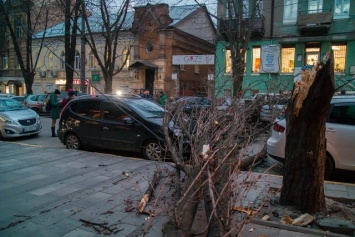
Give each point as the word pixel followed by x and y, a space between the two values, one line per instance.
pixel 19 114
pixel 156 121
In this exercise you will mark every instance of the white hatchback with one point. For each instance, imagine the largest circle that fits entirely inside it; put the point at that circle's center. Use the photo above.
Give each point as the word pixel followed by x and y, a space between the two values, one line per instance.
pixel 340 135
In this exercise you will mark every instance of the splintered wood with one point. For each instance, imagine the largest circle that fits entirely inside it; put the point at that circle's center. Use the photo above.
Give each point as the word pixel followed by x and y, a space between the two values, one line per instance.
pixel 146 197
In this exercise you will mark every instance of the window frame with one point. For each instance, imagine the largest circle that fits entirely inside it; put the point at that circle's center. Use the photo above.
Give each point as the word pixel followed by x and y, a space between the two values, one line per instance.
pixel 62 61
pixel 5 62
pixel 338 57
pixel 317 4
pixel 77 64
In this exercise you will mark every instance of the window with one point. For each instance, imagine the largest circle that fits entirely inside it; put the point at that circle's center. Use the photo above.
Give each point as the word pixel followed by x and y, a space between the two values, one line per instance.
pixel 287 60
pixel 92 61
pixel 256 60
pixel 233 6
pixel 228 62
pixel 341 9
pixel 126 58
pixel 18 26
pixel 343 114
pixel 50 60
pixel 290 11
pixel 18 66
pixel 149 47
pixel 339 58
pixel 89 109
pixel 5 64
pixel 259 8
pixel 62 61
pixel 113 113
pixel 197 69
pixel 77 60
pixel 315 6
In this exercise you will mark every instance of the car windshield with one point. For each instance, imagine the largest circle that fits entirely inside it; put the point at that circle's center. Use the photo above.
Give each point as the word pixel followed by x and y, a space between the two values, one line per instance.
pixel 146 108
pixel 11 105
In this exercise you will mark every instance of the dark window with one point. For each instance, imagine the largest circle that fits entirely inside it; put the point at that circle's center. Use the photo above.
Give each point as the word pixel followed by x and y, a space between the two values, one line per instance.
pixel 89 108
pixel 343 114
pixel 113 113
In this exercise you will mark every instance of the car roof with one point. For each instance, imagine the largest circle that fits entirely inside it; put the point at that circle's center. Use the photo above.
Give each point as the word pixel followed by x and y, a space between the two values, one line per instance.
pixel 343 99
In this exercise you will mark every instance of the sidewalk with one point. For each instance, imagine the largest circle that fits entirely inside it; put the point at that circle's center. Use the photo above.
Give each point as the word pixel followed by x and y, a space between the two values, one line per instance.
pixel 56 192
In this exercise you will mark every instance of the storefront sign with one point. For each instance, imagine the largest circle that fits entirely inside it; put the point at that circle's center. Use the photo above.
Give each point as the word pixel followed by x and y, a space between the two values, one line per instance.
pixel 193 59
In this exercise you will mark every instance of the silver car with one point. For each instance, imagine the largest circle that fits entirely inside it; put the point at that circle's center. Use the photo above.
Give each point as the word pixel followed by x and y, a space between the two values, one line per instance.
pixel 340 135
pixel 34 102
pixel 16 120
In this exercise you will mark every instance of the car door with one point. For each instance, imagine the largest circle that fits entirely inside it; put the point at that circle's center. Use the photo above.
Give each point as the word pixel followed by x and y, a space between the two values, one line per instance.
pixel 340 134
pixel 88 123
pixel 117 130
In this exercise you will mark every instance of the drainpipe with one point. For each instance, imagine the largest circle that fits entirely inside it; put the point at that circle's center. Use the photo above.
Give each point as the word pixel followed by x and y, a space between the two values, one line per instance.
pixel 272 19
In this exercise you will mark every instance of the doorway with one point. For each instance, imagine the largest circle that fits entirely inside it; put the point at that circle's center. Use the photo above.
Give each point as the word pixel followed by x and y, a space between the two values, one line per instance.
pixel 149 80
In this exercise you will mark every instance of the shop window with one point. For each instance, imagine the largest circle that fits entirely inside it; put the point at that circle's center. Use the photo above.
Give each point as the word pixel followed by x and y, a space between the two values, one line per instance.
pixel 339 58
pixel 312 56
pixel 287 60
pixel 290 11
pixel 341 9
pixel 256 60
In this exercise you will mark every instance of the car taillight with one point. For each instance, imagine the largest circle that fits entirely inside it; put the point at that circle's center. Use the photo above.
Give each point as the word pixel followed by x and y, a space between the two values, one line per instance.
pixel 278 128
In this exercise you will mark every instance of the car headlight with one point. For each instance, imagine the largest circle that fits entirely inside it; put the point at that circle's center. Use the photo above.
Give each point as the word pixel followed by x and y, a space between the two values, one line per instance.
pixel 7 120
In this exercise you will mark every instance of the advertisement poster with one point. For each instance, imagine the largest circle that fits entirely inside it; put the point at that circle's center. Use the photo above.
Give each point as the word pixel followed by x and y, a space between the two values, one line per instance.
pixel 270 59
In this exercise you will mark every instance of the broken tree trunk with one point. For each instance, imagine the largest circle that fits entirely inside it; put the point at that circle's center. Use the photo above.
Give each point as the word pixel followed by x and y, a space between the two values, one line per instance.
pixel 305 152
pixel 146 197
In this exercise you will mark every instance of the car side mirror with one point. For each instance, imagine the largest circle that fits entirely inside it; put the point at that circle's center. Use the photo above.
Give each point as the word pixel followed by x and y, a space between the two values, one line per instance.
pixel 128 120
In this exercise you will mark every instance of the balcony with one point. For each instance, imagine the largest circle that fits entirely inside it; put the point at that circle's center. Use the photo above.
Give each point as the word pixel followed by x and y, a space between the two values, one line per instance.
pixel 314 24
pixel 257 28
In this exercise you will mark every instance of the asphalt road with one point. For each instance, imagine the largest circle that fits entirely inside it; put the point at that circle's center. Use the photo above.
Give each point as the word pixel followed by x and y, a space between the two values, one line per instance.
pixel 267 165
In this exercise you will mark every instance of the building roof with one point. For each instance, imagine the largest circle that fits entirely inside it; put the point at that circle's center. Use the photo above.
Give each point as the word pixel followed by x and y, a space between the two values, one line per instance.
pixel 177 13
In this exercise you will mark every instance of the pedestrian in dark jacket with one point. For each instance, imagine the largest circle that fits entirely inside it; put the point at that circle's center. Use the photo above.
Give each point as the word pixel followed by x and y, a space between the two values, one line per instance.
pixel 147 95
pixel 53 99
pixel 69 97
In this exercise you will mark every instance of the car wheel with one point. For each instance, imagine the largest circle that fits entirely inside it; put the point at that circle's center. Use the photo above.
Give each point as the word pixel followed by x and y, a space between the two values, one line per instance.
pixel 152 150
pixel 329 167
pixel 36 110
pixel 72 141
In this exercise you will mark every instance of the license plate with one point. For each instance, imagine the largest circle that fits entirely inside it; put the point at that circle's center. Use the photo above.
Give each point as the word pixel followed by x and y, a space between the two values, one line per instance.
pixel 29 129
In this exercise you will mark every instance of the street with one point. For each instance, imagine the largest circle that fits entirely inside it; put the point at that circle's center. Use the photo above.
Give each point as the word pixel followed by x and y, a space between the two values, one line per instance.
pixel 266 165
pixel 48 190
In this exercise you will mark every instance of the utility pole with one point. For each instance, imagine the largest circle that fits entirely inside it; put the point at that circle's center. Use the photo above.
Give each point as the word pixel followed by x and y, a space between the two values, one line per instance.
pixel 82 56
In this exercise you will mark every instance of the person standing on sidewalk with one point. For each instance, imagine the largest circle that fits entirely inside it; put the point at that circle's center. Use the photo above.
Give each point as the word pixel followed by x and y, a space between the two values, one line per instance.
pixel 54 110
pixel 162 98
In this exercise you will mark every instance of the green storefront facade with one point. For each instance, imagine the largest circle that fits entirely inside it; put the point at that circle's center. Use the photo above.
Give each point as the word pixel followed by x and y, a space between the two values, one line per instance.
pixel 304 40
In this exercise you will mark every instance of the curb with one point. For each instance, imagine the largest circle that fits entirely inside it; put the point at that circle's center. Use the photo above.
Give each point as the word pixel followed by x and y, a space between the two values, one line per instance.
pixel 293 228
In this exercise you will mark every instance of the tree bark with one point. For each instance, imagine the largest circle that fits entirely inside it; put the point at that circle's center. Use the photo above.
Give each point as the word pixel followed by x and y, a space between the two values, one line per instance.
pixel 305 152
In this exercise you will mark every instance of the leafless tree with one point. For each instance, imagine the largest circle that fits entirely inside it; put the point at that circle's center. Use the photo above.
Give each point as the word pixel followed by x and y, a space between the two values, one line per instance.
pixel 106 29
pixel 22 19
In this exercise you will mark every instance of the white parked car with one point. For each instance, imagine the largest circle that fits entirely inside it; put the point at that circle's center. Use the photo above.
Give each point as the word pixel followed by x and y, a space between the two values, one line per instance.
pixel 340 135
pixel 16 120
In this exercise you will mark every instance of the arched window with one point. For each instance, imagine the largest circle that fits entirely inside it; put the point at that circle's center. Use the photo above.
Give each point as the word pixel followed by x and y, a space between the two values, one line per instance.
pixel 77 60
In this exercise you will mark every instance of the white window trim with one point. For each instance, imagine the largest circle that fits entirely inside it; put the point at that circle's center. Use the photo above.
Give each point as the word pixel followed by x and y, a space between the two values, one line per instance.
pixel 287 17
pixel 341 15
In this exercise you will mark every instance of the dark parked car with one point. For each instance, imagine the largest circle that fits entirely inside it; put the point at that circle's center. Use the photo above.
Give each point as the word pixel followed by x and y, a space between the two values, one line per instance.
pixel 34 102
pixel 192 103
pixel 126 123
